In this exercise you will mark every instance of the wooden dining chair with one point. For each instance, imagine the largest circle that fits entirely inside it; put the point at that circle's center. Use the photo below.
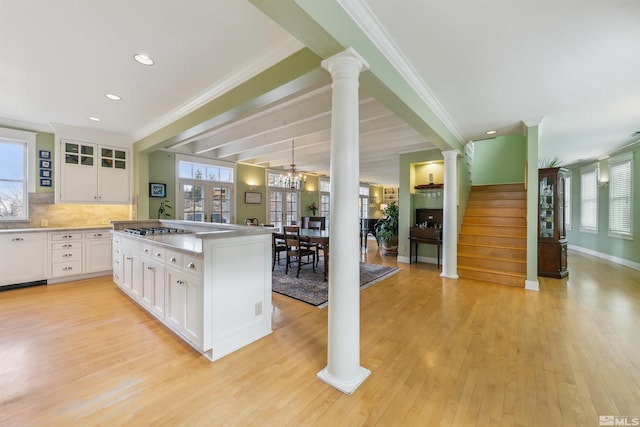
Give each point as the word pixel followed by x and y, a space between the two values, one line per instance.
pixel 278 245
pixel 296 251
pixel 315 225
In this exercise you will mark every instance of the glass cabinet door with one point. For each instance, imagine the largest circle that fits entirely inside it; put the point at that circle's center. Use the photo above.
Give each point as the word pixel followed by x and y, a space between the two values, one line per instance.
pixel 547 213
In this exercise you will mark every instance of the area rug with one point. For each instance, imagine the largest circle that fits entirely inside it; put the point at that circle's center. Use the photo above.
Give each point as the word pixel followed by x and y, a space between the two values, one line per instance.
pixel 311 288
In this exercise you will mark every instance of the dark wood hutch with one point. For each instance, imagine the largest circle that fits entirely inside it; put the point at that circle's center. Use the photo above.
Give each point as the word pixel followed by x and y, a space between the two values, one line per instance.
pixel 552 235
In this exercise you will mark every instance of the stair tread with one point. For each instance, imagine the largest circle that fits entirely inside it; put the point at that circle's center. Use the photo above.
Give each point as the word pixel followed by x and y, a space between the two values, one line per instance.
pixel 491 271
pixel 493 246
pixel 493 258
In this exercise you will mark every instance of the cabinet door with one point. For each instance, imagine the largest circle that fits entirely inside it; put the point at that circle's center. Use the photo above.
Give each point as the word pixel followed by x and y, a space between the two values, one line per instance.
pixel 175 303
pixel 193 311
pixel 78 172
pixel 23 258
pixel 113 178
pixel 97 252
pixel 153 287
pixel 118 266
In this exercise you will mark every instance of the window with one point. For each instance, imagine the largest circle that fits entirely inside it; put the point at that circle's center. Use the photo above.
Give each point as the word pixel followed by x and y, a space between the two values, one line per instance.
pixel 620 196
pixel 283 202
pixel 363 202
pixel 567 202
pixel 17 173
pixel 205 191
pixel 325 200
pixel 589 199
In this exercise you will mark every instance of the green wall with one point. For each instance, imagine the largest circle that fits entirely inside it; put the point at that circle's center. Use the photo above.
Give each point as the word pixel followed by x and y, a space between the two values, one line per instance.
pixel 45 141
pixel 162 170
pixel 499 161
pixel 250 179
pixel 627 249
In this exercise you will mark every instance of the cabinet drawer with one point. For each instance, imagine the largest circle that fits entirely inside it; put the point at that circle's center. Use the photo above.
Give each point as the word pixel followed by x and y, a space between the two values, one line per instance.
pixel 66 236
pixel 66 268
pixel 174 258
pixel 191 264
pixel 64 255
pixel 97 234
pixel 66 245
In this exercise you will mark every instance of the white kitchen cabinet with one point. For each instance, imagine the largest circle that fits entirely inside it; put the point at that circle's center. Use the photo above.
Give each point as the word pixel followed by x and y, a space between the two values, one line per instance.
pixel 66 254
pixel 97 251
pixel 23 258
pixel 93 173
pixel 153 280
pixel 131 268
pixel 184 305
pixel 118 262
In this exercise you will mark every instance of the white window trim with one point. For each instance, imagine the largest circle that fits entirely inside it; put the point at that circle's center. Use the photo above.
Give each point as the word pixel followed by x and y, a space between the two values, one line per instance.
pixel 623 158
pixel 588 169
pixel 568 211
pixel 30 139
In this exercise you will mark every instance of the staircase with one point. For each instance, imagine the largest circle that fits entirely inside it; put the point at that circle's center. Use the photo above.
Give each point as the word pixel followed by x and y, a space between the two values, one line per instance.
pixel 492 245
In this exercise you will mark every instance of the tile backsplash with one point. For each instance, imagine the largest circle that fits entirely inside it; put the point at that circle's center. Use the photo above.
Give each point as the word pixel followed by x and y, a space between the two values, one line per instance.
pixel 42 207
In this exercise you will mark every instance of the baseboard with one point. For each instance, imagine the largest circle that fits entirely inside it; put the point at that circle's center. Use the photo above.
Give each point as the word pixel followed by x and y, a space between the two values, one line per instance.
pixel 614 259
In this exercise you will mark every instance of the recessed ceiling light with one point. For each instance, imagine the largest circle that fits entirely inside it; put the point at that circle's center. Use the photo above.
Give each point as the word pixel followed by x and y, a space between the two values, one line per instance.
pixel 491 132
pixel 113 97
pixel 143 59
pixel 95 119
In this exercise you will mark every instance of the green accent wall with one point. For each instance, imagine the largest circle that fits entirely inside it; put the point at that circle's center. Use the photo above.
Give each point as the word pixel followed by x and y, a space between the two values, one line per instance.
pixel 162 170
pixel 45 141
pixel 250 178
pixel 499 161
pixel 626 249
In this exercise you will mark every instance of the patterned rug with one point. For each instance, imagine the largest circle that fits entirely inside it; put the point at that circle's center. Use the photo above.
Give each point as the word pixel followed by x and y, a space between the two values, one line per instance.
pixel 311 288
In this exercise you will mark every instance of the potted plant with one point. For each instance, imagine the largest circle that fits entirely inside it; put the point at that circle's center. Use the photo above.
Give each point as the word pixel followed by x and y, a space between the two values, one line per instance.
pixel 313 208
pixel 386 229
pixel 164 208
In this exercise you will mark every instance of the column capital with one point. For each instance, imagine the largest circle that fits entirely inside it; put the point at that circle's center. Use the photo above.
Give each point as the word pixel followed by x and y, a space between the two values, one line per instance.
pixel 450 154
pixel 349 56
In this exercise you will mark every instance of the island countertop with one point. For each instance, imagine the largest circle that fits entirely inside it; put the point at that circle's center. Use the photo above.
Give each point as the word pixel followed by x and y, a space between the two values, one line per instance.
pixel 191 240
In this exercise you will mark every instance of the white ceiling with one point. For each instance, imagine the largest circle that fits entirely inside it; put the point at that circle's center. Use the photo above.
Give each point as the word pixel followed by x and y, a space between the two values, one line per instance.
pixel 574 64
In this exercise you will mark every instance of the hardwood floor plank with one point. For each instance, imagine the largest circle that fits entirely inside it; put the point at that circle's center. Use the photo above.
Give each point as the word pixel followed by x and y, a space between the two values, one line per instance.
pixel 441 351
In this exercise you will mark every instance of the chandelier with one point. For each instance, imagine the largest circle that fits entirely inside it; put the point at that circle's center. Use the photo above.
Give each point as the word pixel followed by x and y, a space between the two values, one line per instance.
pixel 293 180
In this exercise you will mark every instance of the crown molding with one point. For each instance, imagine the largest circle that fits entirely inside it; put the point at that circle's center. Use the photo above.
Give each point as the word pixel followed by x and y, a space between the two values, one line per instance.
pixel 362 15
pixel 282 50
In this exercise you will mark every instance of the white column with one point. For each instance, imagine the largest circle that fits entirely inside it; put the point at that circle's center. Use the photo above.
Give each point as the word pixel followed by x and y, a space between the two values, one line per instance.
pixel 343 370
pixel 450 220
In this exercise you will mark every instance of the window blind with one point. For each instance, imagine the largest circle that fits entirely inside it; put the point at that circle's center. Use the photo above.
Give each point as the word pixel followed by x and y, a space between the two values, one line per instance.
pixel 589 200
pixel 620 196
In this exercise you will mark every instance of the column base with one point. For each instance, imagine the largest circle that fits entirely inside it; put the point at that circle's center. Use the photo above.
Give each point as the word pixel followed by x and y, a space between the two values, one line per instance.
pixel 449 276
pixel 347 387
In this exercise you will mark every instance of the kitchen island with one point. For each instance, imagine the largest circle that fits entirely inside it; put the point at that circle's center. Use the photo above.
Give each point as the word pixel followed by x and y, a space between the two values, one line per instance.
pixel 208 283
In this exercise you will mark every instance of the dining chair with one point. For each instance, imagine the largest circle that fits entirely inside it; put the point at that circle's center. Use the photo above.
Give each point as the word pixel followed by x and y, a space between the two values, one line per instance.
pixel 295 250
pixel 278 245
pixel 315 225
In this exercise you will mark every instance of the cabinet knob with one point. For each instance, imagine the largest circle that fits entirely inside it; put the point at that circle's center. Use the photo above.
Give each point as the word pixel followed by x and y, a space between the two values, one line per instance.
pixel 173 259
pixel 191 265
pixel 129 257
pixel 159 254
pixel 146 251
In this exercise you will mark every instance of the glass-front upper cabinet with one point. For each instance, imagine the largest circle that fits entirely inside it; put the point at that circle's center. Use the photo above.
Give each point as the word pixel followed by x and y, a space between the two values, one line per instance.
pixel 79 154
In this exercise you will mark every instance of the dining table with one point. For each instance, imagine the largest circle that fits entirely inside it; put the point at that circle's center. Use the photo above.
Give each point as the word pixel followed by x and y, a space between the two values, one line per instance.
pixel 321 237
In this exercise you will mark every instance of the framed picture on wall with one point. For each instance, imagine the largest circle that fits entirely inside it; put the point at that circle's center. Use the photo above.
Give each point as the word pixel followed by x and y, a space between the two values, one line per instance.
pixel 251 197
pixel 44 154
pixel 157 189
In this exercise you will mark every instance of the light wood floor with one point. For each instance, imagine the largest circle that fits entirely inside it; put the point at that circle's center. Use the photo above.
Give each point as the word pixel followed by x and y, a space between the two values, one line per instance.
pixel 442 353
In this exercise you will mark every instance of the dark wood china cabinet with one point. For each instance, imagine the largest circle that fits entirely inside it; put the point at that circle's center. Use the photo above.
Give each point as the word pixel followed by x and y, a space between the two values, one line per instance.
pixel 552 235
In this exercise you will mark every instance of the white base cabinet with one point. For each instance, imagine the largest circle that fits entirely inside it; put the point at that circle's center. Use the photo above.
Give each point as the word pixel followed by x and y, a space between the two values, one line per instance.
pixel 23 258
pixel 211 300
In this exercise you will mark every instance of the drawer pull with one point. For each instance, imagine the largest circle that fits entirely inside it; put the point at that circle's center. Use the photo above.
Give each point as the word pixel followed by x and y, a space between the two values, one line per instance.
pixel 180 282
pixel 159 254
pixel 67 268
pixel 150 267
pixel 173 259
pixel 191 265
pixel 67 245
pixel 67 255
pixel 67 236
pixel 129 257
pixel 97 235
pixel 17 239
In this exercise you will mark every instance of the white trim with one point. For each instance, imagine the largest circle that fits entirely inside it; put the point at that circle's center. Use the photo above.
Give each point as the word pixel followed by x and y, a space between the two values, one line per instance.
pixel 362 15
pixel 531 285
pixel 611 258
pixel 256 65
